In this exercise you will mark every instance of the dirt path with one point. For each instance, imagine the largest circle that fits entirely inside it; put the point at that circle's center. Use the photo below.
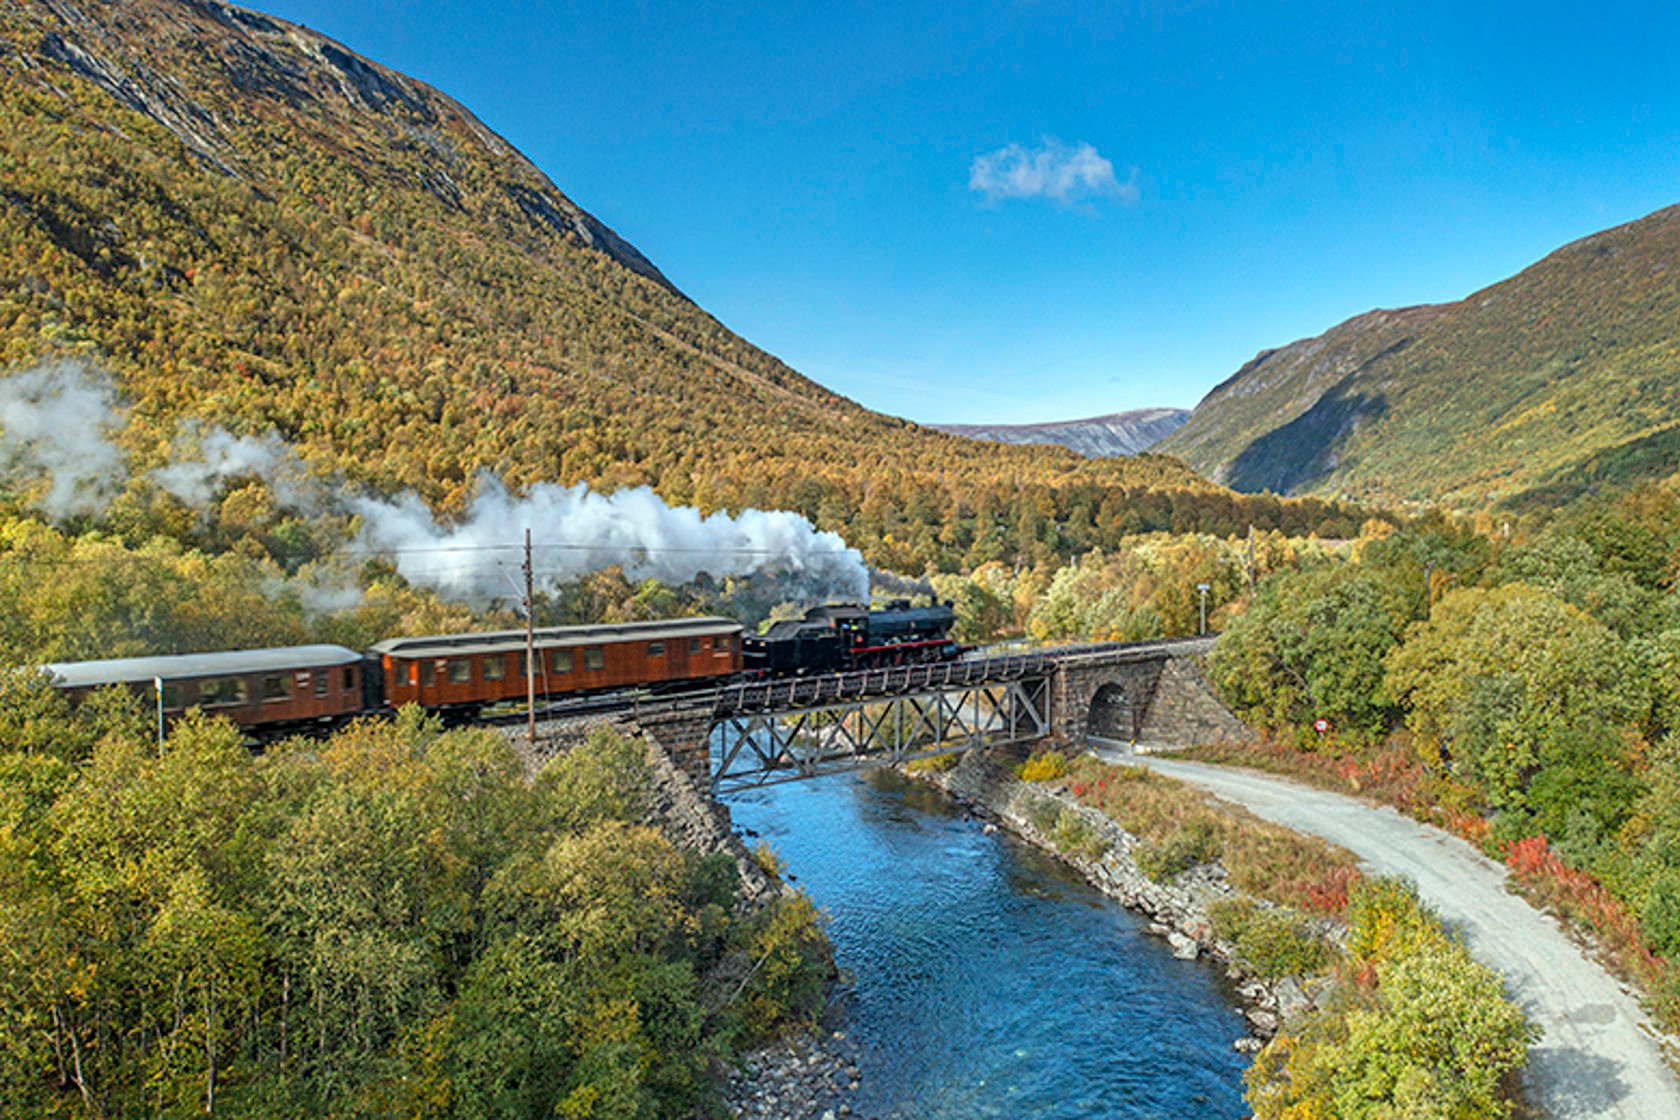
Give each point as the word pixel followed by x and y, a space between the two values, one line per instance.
pixel 1597 1058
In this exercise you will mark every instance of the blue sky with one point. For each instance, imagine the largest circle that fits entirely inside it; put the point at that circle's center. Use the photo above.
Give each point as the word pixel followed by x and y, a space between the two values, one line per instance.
pixel 908 201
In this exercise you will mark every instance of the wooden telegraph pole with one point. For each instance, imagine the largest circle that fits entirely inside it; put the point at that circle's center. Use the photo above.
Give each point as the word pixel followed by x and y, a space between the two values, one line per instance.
pixel 530 652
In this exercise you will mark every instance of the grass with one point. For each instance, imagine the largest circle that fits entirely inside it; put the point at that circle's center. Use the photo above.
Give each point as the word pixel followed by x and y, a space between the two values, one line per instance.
pixel 933 764
pixel 1074 835
pixel 1275 943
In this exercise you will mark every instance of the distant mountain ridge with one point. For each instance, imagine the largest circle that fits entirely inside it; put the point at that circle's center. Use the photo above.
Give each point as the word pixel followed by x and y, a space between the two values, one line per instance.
pixel 1563 377
pixel 1099 437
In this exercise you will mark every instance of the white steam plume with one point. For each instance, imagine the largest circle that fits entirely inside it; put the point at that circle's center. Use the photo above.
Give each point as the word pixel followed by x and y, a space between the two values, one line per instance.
pixel 575 531
pixel 53 423
pixel 223 456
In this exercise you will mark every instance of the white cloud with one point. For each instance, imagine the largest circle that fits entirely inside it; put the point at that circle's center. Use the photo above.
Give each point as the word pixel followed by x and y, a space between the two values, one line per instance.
pixel 1064 173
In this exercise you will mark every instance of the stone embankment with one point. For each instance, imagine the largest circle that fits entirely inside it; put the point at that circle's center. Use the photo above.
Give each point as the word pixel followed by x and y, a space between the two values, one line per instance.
pixel 1179 910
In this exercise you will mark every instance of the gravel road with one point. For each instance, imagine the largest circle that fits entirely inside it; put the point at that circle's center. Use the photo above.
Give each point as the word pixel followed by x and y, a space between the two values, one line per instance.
pixel 1598 1057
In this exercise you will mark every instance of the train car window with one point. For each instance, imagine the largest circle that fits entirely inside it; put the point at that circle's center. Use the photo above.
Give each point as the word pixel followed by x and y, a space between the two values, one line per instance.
pixel 349 678
pixel 495 668
pixel 693 646
pixel 460 670
pixel 428 674
pixel 560 660
pixel 594 658
pixel 320 683
pixel 724 643
pixel 656 649
pixel 174 696
pixel 222 690
pixel 276 688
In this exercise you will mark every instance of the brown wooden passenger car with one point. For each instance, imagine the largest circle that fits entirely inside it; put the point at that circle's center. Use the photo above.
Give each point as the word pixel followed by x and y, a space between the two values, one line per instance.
pixel 258 688
pixel 472 670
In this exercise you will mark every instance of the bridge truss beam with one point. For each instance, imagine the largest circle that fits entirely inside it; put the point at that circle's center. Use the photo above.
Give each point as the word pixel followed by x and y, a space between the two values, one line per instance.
pixel 751 749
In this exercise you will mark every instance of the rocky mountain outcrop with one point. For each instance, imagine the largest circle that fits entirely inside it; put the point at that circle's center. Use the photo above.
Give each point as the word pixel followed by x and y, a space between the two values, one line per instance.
pixel 1100 437
pixel 239 57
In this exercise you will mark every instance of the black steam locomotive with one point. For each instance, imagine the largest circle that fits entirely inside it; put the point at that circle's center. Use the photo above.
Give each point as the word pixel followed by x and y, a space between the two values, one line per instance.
pixel 850 636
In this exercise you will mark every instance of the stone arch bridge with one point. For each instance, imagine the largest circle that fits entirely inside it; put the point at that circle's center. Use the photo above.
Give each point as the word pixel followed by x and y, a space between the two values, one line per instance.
pixel 760 733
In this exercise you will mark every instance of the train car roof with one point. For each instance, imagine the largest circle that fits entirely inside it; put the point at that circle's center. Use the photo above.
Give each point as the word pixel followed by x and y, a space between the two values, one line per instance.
pixel 128 670
pixel 550 637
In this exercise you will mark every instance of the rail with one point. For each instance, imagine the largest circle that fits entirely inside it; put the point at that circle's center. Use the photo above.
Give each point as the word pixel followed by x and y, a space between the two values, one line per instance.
pixel 792 693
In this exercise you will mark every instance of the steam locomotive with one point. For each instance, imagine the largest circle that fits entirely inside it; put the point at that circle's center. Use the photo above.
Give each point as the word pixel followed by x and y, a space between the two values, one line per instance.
pixel 272 691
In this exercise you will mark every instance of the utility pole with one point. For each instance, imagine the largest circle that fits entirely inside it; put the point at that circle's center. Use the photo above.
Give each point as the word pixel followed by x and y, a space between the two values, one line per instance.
pixel 530 652
pixel 1203 588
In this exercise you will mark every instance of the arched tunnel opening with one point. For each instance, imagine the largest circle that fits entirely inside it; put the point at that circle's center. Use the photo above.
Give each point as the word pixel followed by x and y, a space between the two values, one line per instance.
pixel 1112 714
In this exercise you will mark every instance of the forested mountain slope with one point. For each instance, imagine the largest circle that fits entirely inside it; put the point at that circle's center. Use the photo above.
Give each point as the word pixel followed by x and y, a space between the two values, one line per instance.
pixel 252 225
pixel 1553 380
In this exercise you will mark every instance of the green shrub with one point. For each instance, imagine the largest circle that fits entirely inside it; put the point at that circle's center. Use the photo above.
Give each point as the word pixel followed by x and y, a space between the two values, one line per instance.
pixel 1385 918
pixel 1192 843
pixel 1074 835
pixel 1424 1031
pixel 1045 766
pixel 1274 943
pixel 1043 813
pixel 936 764
pixel 765 856
pixel 791 966
pixel 1661 914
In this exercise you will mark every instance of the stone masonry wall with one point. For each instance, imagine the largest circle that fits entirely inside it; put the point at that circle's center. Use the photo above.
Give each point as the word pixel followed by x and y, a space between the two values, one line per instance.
pixel 1184 711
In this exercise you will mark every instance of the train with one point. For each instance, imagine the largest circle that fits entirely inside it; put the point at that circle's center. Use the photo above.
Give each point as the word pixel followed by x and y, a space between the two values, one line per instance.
pixel 294 688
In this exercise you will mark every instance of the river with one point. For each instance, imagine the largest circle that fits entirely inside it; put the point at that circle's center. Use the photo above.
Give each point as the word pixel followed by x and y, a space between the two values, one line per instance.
pixel 986 980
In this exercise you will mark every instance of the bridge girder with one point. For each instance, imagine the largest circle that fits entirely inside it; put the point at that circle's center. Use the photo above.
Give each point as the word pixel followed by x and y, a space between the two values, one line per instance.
pixel 751 749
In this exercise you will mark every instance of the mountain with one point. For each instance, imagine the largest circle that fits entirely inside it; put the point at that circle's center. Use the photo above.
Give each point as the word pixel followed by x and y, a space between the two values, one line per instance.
pixel 1100 437
pixel 253 226
pixel 1560 378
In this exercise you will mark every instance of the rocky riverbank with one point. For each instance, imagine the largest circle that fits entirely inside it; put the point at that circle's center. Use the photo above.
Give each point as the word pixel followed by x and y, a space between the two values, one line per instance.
pixel 813 1076
pixel 1179 910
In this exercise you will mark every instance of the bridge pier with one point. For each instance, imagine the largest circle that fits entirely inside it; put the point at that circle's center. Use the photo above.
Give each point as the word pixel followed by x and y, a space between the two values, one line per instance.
pixel 1162 699
pixel 686 736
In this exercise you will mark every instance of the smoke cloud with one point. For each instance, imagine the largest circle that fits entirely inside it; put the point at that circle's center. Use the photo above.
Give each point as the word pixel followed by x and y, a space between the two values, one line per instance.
pixel 222 457
pixel 575 531
pixel 55 422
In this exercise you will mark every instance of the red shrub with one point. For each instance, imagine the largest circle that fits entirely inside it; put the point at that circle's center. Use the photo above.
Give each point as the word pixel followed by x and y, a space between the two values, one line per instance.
pixel 1330 894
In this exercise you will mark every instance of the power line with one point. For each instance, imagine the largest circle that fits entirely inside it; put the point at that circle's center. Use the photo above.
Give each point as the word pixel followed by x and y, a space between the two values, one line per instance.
pixel 631 548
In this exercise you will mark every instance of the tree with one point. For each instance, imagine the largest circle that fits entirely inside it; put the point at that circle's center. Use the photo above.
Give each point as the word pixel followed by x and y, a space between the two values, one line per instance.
pixel 1312 645
pixel 1501 683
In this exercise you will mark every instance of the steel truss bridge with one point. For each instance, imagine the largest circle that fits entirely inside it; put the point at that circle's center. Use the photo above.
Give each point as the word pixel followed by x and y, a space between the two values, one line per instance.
pixel 782 731
pixel 758 733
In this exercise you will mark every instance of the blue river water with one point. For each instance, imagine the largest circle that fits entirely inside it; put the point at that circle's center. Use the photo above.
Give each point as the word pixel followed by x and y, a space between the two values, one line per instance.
pixel 984 978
